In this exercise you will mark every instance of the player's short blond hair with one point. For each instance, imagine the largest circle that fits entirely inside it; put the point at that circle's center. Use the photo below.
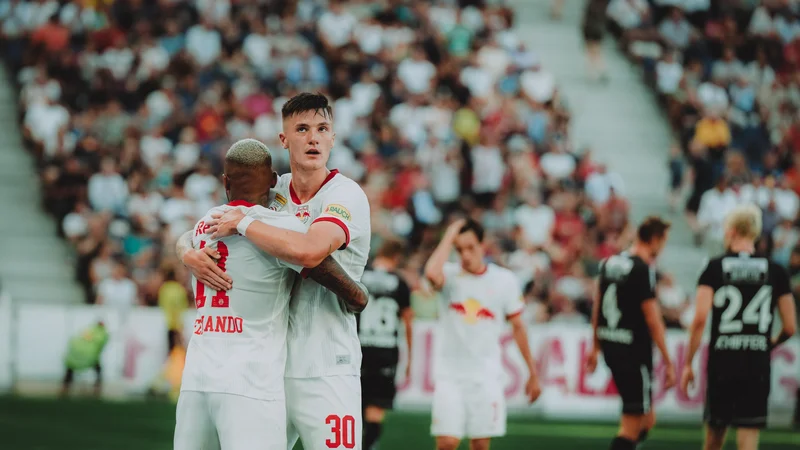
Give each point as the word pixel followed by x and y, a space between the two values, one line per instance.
pixel 249 153
pixel 744 221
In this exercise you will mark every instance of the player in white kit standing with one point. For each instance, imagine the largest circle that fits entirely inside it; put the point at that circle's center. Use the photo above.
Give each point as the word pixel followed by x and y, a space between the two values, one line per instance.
pixel 477 299
pixel 323 388
pixel 232 393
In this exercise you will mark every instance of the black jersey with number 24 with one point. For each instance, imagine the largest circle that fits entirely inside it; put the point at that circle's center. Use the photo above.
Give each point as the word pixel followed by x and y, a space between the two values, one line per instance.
pixel 625 283
pixel 746 292
pixel 379 323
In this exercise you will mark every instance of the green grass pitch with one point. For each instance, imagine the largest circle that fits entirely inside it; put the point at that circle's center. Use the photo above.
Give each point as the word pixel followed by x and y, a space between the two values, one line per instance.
pixel 44 424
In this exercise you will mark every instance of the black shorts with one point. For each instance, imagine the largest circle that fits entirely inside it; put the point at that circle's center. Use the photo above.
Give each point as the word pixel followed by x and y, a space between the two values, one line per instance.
pixel 737 402
pixel 378 387
pixel 634 384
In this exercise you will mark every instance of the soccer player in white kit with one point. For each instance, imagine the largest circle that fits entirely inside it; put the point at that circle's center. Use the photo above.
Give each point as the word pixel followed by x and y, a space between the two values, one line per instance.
pixel 232 393
pixel 323 388
pixel 477 299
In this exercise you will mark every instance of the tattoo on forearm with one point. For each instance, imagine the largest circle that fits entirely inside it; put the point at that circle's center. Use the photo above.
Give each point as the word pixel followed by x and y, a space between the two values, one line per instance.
pixel 331 275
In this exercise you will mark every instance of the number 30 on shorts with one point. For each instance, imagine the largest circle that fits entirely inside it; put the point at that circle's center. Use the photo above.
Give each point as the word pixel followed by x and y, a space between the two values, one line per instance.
pixel 344 431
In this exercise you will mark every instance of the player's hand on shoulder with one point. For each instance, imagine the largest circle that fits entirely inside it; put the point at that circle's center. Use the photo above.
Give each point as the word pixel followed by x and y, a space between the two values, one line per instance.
pixel 532 388
pixel 224 224
pixel 204 267
pixel 687 379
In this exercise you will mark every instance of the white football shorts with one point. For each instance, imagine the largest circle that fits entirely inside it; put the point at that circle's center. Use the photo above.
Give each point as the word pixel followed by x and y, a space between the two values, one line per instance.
pixel 468 409
pixel 213 421
pixel 324 412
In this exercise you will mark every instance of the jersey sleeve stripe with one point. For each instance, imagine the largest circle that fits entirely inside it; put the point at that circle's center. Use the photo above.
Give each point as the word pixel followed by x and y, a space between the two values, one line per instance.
pixel 514 314
pixel 341 224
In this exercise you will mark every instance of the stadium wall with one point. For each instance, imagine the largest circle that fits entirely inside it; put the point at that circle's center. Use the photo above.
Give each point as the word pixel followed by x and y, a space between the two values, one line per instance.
pixel 34 340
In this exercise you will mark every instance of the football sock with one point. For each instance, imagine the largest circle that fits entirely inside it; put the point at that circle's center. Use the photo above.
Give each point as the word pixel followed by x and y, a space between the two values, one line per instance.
pixel 620 443
pixel 372 431
pixel 642 437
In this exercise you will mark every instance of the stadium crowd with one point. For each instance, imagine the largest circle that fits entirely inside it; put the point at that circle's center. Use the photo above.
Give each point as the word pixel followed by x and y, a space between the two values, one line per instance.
pixel 728 76
pixel 439 108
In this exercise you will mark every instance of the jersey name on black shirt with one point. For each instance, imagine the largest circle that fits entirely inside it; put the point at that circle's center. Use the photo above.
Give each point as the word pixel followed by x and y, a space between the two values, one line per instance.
pixel 746 292
pixel 379 323
pixel 625 282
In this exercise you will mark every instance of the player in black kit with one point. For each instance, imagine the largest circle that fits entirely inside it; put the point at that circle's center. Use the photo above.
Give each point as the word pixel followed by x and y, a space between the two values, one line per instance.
pixel 627 320
pixel 378 327
pixel 741 290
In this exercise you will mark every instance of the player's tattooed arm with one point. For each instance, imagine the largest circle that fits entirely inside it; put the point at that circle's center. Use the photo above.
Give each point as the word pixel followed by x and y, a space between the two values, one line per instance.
pixel 331 275
pixel 786 310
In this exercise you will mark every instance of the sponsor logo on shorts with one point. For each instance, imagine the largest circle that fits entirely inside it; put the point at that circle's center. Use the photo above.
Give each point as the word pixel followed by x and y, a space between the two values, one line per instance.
pixel 218 324
pixel 342 359
pixel 472 311
pixel 338 211
pixel 303 214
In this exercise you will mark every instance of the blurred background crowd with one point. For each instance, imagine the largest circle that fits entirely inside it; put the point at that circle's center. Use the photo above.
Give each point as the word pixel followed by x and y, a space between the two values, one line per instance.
pixel 439 110
pixel 728 78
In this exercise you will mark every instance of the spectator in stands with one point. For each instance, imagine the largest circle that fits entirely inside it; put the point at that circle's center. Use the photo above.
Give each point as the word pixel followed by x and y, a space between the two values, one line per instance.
pixel 118 291
pixel 438 109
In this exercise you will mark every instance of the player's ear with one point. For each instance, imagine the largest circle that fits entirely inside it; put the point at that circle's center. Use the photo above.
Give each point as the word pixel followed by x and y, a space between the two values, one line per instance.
pixel 274 178
pixel 226 182
pixel 282 137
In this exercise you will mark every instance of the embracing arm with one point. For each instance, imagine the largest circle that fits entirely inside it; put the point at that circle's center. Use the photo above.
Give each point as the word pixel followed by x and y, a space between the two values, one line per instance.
pixel 184 244
pixel 332 276
pixel 303 249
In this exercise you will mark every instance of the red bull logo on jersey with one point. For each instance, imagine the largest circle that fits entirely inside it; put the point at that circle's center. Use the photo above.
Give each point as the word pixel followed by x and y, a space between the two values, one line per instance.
pixel 303 214
pixel 472 311
pixel 218 324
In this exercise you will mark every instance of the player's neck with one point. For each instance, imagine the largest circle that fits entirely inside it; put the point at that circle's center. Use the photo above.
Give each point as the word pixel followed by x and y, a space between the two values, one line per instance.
pixel 255 199
pixel 480 270
pixel 742 246
pixel 306 184
pixel 637 249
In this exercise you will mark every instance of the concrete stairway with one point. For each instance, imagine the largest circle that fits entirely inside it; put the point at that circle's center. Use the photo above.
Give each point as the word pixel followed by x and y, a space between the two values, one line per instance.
pixel 620 121
pixel 36 265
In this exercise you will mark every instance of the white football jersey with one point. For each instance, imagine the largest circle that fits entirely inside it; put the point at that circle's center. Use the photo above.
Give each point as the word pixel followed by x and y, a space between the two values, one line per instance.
pixel 323 338
pixel 473 310
pixel 239 341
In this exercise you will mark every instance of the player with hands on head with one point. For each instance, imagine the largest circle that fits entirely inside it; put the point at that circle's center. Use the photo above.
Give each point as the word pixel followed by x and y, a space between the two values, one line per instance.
pixel 477 300
pixel 626 321
pixel 740 290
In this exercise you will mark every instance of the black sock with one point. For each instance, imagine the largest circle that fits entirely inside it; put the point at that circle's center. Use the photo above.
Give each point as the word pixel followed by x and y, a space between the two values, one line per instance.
pixel 620 443
pixel 642 437
pixel 372 432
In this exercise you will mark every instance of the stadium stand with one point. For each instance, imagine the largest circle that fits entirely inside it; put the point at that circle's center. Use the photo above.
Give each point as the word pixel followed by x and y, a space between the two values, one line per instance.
pixel 727 76
pixel 128 107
